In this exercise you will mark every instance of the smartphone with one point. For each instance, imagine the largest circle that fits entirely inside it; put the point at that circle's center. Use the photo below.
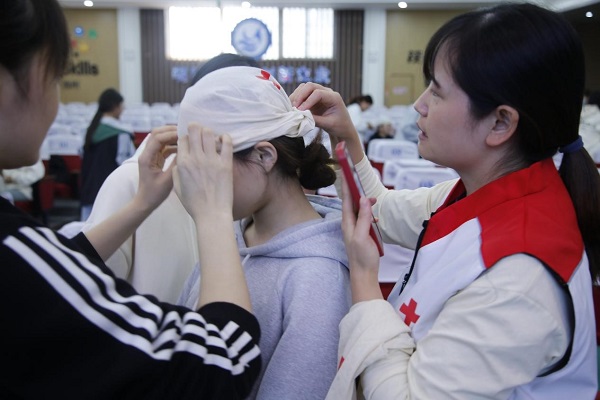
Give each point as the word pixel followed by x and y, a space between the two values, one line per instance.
pixel 356 189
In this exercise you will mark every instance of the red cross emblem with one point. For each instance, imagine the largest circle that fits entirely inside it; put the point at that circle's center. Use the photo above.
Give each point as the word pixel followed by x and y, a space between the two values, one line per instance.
pixel 410 316
pixel 267 77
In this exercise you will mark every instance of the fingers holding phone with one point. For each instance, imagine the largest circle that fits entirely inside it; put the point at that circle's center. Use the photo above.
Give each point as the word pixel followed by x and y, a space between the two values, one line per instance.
pixel 356 191
pixel 363 255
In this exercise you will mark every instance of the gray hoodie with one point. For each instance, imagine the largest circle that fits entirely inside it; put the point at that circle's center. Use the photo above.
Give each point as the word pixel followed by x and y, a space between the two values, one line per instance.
pixel 300 290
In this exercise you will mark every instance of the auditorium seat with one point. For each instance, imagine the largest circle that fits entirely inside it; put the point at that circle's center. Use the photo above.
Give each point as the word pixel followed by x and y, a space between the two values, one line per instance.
pixel 43 199
pixel 381 150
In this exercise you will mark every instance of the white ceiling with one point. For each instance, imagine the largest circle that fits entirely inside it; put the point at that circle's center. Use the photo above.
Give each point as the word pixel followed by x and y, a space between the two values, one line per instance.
pixel 558 5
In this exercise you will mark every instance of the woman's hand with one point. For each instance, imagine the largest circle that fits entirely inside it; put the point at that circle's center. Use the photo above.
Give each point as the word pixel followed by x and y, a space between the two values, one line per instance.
pixel 203 181
pixel 363 255
pixel 204 173
pixel 330 114
pixel 154 186
pixel 328 109
pixel 154 183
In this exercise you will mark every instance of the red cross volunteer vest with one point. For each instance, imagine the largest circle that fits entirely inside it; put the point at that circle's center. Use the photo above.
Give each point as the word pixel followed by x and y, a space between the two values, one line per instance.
pixel 529 212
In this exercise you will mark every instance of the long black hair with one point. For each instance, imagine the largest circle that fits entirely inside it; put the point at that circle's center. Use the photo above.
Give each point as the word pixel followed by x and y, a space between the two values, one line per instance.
pixel 311 166
pixel 108 101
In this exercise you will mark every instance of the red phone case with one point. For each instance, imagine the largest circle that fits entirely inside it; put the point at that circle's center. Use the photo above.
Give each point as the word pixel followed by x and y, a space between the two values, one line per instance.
pixel 356 189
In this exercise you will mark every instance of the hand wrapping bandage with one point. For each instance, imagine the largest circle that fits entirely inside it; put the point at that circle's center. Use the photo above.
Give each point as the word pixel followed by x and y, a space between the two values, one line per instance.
pixel 245 102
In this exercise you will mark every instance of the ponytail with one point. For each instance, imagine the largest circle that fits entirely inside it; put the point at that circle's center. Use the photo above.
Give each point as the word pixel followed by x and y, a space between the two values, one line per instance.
pixel 582 180
pixel 108 101
pixel 316 170
pixel 89 134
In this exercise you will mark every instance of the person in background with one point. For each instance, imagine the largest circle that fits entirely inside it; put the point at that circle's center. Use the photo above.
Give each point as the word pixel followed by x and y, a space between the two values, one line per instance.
pixel 291 244
pixel 73 330
pixel 142 257
pixel 384 130
pixel 357 106
pixel 16 184
pixel 107 144
pixel 498 301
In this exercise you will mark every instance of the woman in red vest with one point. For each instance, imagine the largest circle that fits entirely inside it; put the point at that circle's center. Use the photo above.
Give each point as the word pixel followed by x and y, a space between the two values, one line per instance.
pixel 498 301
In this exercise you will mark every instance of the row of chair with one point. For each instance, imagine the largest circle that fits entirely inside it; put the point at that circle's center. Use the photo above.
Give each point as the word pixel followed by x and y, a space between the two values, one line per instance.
pixel 60 182
pixel 75 117
pixel 400 167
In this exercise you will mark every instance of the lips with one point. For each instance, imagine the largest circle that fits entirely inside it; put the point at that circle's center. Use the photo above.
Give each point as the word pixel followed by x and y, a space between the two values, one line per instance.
pixel 421 129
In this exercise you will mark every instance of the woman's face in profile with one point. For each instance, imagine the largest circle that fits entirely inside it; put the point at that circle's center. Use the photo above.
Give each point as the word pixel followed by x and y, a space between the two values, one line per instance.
pixel 33 112
pixel 449 134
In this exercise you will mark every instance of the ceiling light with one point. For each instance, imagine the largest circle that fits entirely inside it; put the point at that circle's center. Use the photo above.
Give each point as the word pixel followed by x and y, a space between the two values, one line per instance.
pixel 88 3
pixel 246 4
pixel 402 4
pixel 589 14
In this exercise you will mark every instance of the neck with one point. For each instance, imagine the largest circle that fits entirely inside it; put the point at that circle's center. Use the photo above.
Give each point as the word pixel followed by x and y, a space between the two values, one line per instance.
pixel 489 167
pixel 477 180
pixel 111 114
pixel 283 209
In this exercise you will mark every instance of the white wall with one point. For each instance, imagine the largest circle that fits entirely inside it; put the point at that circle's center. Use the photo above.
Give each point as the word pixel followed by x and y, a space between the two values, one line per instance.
pixel 130 58
pixel 374 55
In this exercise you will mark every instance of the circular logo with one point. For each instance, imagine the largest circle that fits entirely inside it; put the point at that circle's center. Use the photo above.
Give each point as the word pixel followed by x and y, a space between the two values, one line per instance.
pixel 79 31
pixel 251 38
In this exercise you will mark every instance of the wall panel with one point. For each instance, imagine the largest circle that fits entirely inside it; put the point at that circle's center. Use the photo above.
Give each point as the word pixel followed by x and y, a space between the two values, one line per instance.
pixel 94 60
pixel 349 53
pixel 407 35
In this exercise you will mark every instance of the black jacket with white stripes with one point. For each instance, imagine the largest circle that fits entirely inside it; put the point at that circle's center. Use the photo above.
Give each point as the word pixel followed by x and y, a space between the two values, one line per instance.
pixel 70 330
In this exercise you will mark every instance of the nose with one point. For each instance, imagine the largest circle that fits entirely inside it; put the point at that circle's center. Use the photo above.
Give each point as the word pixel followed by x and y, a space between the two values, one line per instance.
pixel 420 104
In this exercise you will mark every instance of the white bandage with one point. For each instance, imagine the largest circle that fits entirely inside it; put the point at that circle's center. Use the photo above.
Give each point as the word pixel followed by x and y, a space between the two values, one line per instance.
pixel 245 102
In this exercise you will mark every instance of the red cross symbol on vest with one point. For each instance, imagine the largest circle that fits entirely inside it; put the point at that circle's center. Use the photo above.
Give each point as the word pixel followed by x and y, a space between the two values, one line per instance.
pixel 410 316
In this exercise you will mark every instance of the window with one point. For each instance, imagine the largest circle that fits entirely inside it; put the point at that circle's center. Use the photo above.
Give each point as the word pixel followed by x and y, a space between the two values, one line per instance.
pixel 190 33
pixel 307 33
pixel 200 33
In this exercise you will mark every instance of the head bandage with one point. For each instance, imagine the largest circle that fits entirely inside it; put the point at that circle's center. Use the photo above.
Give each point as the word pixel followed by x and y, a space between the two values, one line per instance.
pixel 245 102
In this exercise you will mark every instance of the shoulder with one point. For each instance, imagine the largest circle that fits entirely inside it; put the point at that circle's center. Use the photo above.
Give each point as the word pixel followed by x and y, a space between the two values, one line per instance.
pixel 26 242
pixel 126 173
pixel 316 271
pixel 354 110
pixel 12 219
pixel 317 282
pixel 114 123
pixel 521 275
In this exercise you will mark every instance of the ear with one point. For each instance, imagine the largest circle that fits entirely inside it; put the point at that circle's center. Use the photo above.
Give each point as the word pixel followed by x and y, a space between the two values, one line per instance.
pixel 505 122
pixel 267 155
